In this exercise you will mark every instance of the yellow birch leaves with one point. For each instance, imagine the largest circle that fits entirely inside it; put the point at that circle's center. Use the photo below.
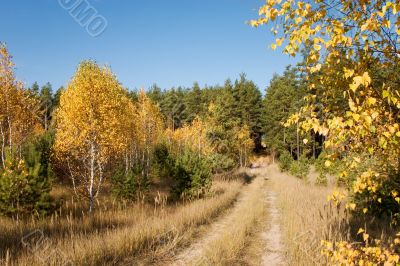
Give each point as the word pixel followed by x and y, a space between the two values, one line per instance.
pixel 19 111
pixel 92 109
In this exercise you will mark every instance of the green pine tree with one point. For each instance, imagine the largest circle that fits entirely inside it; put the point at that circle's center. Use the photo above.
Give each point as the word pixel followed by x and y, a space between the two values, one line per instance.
pixel 47 104
pixel 195 105
pixel 248 108
pixel 284 96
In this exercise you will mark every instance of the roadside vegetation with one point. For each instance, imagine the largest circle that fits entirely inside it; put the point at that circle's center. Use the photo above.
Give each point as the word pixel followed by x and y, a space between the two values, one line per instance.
pixel 350 108
pixel 99 174
pixel 116 234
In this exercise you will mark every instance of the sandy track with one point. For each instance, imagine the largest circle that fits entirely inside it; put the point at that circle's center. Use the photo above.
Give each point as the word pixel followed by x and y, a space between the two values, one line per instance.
pixel 193 254
pixel 272 237
pixel 273 251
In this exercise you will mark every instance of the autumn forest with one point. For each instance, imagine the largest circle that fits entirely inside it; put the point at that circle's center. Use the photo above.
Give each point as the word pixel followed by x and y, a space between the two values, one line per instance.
pixel 303 172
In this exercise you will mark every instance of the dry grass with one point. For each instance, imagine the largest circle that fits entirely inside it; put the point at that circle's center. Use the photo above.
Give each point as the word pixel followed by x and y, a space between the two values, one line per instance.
pixel 145 234
pixel 228 246
pixel 306 218
pixel 113 235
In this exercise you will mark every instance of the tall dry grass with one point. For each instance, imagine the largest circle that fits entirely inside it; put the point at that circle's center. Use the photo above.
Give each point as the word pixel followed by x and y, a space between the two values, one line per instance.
pixel 112 235
pixel 306 218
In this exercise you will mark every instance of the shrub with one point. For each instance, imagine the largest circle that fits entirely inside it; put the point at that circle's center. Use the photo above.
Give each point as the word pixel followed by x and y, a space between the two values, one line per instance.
pixel 192 174
pixel 38 150
pixel 24 189
pixel 370 252
pixel 189 173
pixel 386 190
pixel 322 179
pixel 336 167
pixel 285 160
pixel 124 184
pixel 320 162
pixel 300 168
pixel 221 163
pixel 164 163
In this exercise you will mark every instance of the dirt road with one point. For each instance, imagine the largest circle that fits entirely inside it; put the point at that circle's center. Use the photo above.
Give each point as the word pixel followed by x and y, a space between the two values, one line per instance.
pixel 271 252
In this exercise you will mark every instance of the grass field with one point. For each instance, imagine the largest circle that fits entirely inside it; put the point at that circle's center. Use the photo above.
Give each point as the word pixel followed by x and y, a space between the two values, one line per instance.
pixel 262 217
pixel 111 235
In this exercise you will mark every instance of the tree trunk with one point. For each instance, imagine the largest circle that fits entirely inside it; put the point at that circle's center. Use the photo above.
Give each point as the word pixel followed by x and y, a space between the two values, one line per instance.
pixel 45 119
pixel 92 173
pixel 10 129
pixel 143 161
pixel 314 148
pixel 241 157
pixel 298 140
pixel 126 163
pixel 148 162
pixel 73 178
pixel 245 156
pixel 101 176
pixel 284 136
pixel 3 142
pixel 199 145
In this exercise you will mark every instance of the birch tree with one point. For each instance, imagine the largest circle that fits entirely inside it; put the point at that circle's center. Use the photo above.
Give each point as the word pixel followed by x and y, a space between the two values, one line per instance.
pixel 91 127
pixel 19 113
pixel 149 128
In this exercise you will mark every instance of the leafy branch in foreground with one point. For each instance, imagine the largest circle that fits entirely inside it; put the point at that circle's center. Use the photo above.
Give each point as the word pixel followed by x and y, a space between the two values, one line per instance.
pixel 352 68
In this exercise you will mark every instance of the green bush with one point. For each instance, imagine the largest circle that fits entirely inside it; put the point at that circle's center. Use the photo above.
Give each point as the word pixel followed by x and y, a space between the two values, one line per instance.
pixel 25 186
pixel 221 163
pixel 192 174
pixel 387 190
pixel 126 183
pixel 388 206
pixel 322 179
pixel 300 168
pixel 320 162
pixel 189 174
pixel 333 170
pixel 164 163
pixel 285 160
pixel 38 150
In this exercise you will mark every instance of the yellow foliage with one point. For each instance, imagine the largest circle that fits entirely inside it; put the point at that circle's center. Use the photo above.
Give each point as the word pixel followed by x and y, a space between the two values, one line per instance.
pixel 91 125
pixel 368 126
pixel 370 123
pixel 344 253
pixel 148 127
pixel 192 137
pixel 93 111
pixel 19 111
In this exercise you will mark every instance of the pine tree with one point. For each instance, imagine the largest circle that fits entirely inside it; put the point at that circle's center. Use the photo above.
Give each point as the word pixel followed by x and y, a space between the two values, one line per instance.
pixel 155 94
pixel 35 88
pixel 57 95
pixel 173 107
pixel 284 97
pixel 247 107
pixel 25 185
pixel 47 104
pixel 194 103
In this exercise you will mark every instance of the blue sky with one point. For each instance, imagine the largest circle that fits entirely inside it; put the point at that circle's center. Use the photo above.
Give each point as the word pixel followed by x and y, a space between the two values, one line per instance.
pixel 168 42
